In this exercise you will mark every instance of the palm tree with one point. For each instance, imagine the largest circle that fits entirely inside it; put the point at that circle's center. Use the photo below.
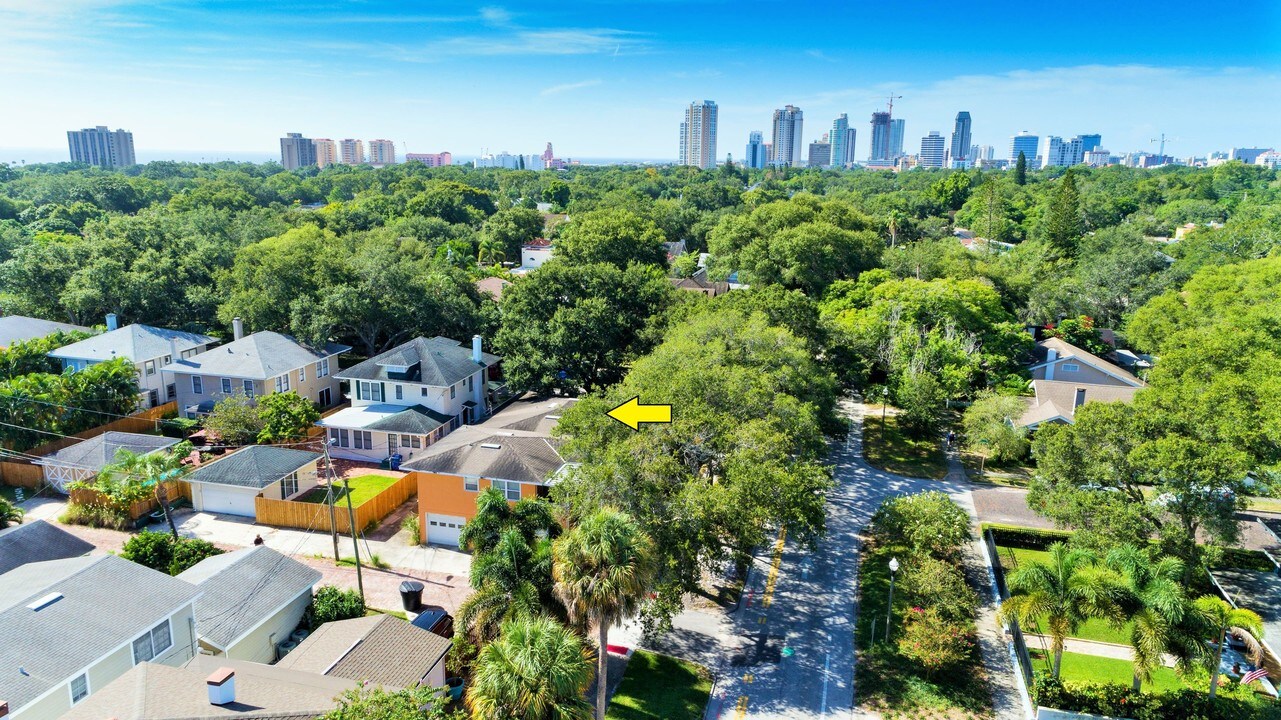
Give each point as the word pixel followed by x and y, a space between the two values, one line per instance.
pixel 491 249
pixel 150 470
pixel 1066 591
pixel 494 516
pixel 536 670
pixel 603 569
pixel 1223 619
pixel 1162 619
pixel 513 581
pixel 10 514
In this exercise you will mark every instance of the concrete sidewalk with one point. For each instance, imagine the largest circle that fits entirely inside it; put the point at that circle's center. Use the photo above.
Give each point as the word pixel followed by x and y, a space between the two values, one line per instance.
pixel 1089 647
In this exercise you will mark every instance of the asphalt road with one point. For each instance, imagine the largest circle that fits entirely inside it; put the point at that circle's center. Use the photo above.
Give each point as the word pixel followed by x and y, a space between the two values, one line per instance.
pixel 789 649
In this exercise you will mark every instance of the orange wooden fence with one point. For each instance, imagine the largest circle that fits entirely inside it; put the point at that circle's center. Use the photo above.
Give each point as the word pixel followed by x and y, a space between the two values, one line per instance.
pixel 315 516
pixel 175 488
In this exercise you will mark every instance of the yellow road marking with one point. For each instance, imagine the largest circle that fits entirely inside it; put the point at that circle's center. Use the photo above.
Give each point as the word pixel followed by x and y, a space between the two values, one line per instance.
pixel 749 678
pixel 740 710
pixel 761 619
pixel 777 560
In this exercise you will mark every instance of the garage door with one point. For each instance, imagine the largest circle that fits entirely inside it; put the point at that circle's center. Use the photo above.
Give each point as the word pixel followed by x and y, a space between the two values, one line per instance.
pixel 444 529
pixel 226 501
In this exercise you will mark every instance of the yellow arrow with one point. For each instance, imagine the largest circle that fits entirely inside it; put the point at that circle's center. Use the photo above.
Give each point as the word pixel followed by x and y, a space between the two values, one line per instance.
pixel 632 413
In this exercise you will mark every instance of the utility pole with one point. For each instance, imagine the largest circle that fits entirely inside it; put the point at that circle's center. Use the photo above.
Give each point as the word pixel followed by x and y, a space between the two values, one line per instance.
pixel 329 499
pixel 351 522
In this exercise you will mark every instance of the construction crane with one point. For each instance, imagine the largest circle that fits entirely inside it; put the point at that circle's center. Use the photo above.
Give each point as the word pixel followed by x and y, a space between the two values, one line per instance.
pixel 1162 140
pixel 892 98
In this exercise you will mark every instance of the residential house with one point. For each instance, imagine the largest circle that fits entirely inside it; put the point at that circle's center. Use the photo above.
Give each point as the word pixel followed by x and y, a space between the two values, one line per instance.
pixel 20 328
pixel 379 649
pixel 251 601
pixel 211 688
pixel 149 348
pixel 255 365
pixel 1065 377
pixel 85 459
pixel 70 627
pixel 493 287
pixel 513 452
pixel 533 254
pixel 698 282
pixel 410 397
pixel 38 541
pixel 229 485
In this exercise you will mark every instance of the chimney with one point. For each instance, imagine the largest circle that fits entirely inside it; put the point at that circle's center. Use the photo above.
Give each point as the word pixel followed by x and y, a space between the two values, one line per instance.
pixel 222 686
pixel 173 349
pixel 1050 356
pixel 475 348
pixel 237 328
pixel 1080 399
pixel 4 709
pixel 112 322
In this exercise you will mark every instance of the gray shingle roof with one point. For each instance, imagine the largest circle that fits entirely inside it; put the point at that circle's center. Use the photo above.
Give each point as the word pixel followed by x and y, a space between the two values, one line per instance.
pixel 38 542
pixel 150 691
pixel 106 602
pixel 470 451
pixel 416 420
pixel 134 342
pixel 97 452
pixel 384 650
pixel 438 361
pixel 256 466
pixel 259 356
pixel 243 588
pixel 16 328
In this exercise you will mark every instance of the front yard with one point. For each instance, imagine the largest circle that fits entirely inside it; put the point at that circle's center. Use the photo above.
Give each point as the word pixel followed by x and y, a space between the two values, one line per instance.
pixel 363 487
pixel 1094 669
pixel 893 450
pixel 660 687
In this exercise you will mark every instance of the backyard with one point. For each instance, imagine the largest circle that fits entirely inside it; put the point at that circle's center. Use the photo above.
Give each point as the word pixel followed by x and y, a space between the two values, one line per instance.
pixel 660 687
pixel 363 488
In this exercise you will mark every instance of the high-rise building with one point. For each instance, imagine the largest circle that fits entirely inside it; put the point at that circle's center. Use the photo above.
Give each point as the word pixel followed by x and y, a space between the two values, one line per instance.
pixel 1091 142
pixel 932 149
pixel 1245 155
pixel 1058 152
pixel 296 151
pixel 881 144
pixel 755 157
pixel 698 135
pixel 430 159
pixel 961 137
pixel 1098 157
pixel 102 147
pixel 842 138
pixel 898 131
pixel 986 152
pixel 326 151
pixel 351 152
pixel 820 154
pixel 788 144
pixel 382 152
pixel 1028 144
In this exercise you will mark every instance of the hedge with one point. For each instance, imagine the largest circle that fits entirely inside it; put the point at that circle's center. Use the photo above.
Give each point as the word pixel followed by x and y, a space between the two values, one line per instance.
pixel 1025 538
pixel 1121 701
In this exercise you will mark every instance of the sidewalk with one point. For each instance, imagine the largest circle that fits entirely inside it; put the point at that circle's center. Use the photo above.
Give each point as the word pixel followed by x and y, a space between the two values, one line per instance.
pixel 1090 647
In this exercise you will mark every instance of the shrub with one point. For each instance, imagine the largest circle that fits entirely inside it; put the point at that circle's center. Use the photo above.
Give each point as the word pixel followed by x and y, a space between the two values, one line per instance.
pixel 179 427
pixel 159 551
pixel 11 514
pixel 926 523
pixel 1122 701
pixel 932 642
pixel 99 516
pixel 1026 538
pixel 285 416
pixel 333 603
pixel 187 552
pixel 235 420
pixel 939 585
pixel 410 523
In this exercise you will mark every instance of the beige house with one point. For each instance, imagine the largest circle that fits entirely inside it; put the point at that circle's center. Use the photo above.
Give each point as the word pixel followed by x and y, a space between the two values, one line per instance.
pixel 251 602
pixel 1065 377
pixel 255 365
pixel 70 627
pixel 229 485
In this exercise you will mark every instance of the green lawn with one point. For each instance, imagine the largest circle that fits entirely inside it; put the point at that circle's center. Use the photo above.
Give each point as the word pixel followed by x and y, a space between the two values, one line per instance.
pixel 659 687
pixel 363 487
pixel 899 453
pixel 1089 668
pixel 891 685
pixel 1099 630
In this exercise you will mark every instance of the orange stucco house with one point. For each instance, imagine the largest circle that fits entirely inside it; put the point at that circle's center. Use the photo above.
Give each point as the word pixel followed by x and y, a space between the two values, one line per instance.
pixel 513 451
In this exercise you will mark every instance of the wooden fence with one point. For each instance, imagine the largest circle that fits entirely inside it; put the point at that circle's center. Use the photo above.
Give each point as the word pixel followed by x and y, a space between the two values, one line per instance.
pixel 27 475
pixel 175 488
pixel 315 516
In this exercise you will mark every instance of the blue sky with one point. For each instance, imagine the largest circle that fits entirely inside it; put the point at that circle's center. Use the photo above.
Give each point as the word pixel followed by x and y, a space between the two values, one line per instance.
pixel 610 78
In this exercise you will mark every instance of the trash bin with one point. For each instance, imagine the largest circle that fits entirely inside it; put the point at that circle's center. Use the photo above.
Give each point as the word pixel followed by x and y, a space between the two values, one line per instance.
pixel 394 461
pixel 411 595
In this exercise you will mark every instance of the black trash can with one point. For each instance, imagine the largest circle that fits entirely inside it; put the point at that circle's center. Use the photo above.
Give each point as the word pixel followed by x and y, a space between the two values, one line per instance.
pixel 411 595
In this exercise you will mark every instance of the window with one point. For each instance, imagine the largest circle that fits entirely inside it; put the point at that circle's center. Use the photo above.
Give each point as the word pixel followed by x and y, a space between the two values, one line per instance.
pixel 369 391
pixel 249 388
pixel 153 398
pixel 400 392
pixel 282 383
pixel 197 385
pixel 471 484
pixel 510 488
pixel 452 390
pixel 152 643
pixel 150 366
pixel 226 386
pixel 363 439
pixel 417 441
pixel 424 391
pixel 391 442
pixel 171 391
pixel 302 374
pixel 404 440
pixel 167 359
pixel 322 369
pixel 340 434
pixel 187 353
pixel 289 485
pixel 471 383
pixel 323 397
pixel 1071 367
pixel 79 689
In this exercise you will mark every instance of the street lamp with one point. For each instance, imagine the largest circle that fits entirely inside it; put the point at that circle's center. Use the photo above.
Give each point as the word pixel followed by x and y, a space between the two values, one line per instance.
pixel 885 400
pixel 889 608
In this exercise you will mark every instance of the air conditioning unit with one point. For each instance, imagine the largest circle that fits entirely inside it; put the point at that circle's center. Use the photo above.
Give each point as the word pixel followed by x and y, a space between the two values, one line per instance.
pixel 283 648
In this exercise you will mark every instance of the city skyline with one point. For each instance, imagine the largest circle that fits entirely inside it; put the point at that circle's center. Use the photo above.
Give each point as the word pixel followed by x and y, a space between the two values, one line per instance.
pixel 602 79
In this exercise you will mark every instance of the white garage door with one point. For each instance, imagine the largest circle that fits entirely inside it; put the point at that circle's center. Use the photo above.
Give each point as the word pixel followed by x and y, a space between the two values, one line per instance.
pixel 444 529
pixel 229 502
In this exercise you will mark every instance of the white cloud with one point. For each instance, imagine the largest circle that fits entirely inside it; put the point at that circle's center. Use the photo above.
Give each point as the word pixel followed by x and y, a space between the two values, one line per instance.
pixel 558 89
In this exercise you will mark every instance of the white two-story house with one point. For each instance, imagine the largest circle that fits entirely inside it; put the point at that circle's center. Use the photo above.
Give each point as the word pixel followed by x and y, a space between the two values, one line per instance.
pixel 149 348
pixel 255 365
pixel 410 397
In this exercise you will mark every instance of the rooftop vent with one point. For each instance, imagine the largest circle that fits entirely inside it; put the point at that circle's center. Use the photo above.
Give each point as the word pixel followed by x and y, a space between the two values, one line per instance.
pixel 491 446
pixel 222 686
pixel 45 601
pixel 553 417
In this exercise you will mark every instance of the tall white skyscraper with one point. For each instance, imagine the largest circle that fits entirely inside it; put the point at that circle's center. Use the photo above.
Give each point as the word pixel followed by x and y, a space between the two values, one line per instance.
pixel 698 135
pixel 102 147
pixel 382 152
pixel 1028 144
pixel 757 155
pixel 961 137
pixel 842 140
pixel 932 147
pixel 1058 152
pixel 897 129
pixel 788 144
